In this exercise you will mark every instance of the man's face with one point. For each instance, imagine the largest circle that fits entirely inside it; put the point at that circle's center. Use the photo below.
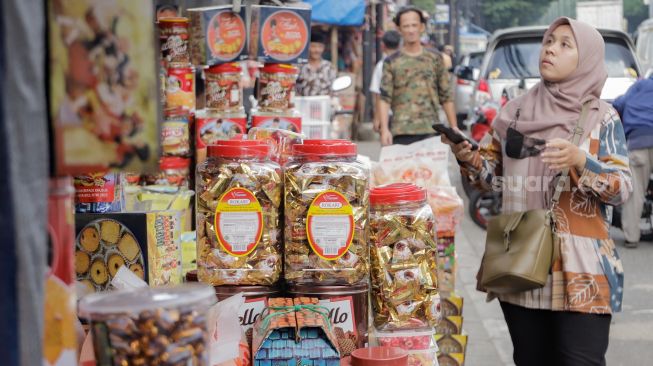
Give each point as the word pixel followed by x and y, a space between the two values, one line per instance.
pixel 411 27
pixel 316 50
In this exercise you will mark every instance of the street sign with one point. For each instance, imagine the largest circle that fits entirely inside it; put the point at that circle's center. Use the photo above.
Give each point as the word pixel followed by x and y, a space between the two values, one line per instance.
pixel 441 14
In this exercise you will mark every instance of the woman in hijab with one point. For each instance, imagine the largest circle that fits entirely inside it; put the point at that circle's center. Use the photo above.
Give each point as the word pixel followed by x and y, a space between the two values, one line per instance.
pixel 566 322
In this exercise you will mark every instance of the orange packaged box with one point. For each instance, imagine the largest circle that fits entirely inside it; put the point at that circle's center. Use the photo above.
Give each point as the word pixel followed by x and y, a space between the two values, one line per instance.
pixel 218 35
pixel 280 34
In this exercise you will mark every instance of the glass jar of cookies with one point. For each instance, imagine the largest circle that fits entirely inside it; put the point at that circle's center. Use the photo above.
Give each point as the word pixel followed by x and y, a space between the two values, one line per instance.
pixel 326 214
pixel 238 206
pixel 404 256
pixel 150 326
pixel 223 90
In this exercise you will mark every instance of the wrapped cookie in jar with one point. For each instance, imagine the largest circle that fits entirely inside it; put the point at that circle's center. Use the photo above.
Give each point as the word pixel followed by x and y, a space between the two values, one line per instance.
pixel 276 87
pixel 238 206
pixel 280 141
pixel 403 254
pixel 326 213
pixel 150 326
pixel 223 90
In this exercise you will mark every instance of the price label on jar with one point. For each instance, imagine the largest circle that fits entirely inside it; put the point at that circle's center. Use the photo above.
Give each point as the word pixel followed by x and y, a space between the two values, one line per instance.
pixel 238 221
pixel 330 225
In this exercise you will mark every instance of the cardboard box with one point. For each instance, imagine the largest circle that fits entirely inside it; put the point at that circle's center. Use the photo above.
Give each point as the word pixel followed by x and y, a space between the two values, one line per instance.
pixel 213 127
pixel 218 35
pixel 280 34
pixel 451 305
pixel 450 325
pixel 102 80
pixel 452 343
pixel 146 243
pixel 451 359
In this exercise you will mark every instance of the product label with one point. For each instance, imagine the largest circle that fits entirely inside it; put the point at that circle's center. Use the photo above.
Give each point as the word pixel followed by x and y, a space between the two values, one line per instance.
pixel 211 130
pixel 175 138
pixel 251 311
pixel 284 35
pixel 222 93
pixel 293 124
pixel 180 80
pixel 95 187
pixel 226 35
pixel 341 312
pixel 330 225
pixel 175 48
pixel 238 222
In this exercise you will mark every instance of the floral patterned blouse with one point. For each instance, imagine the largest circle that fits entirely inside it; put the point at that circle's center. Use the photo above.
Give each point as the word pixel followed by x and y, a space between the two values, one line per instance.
pixel 588 276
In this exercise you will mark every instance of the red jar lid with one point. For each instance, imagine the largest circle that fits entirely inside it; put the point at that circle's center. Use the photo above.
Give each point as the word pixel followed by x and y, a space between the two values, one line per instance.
pixel 325 149
pixel 231 67
pixel 171 162
pixel 379 356
pixel 396 194
pixel 282 68
pixel 326 142
pixel 239 149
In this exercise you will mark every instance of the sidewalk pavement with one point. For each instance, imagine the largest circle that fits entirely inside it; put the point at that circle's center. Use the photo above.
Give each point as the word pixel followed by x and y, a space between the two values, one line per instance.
pixel 631 335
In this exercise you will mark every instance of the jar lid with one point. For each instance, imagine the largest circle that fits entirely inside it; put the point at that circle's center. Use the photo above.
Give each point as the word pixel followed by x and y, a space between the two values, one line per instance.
pixel 224 68
pixel 396 194
pixel 173 162
pixel 327 290
pixel 239 149
pixel 325 148
pixel 379 356
pixel 150 298
pixel 282 68
pixel 168 21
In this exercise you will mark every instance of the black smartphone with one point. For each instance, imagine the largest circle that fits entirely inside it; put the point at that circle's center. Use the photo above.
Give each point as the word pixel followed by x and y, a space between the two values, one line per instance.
pixel 454 136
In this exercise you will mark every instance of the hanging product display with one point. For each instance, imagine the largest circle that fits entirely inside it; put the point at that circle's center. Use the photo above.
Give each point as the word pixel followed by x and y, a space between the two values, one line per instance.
pixel 237 216
pixel 326 214
pixel 404 258
pixel 218 35
pixel 159 326
pixel 280 34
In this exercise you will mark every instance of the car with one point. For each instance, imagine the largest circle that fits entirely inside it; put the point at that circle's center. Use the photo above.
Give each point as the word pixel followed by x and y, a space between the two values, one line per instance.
pixel 645 46
pixel 512 59
pixel 465 75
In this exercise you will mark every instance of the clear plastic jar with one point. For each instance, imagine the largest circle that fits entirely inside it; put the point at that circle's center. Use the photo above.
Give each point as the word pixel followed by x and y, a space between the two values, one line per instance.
pixel 238 207
pixel 404 253
pixel 223 89
pixel 326 213
pixel 150 326
pixel 277 87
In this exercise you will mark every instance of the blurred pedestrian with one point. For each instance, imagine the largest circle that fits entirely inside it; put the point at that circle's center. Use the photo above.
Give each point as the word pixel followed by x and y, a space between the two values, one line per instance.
pixel 316 77
pixel 390 44
pixel 567 320
pixel 414 84
pixel 636 110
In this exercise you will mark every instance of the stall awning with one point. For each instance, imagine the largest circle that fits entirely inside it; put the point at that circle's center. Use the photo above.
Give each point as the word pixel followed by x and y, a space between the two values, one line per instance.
pixel 341 12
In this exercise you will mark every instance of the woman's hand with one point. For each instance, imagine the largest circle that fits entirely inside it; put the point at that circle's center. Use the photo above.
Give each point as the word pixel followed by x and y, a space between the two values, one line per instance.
pixel 560 154
pixel 463 150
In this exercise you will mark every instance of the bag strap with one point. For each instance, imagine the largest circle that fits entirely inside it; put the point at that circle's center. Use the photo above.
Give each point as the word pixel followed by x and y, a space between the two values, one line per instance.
pixel 578 132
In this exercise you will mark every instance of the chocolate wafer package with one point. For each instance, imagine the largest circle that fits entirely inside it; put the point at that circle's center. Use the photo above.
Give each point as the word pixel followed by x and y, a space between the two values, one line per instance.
pixel 148 244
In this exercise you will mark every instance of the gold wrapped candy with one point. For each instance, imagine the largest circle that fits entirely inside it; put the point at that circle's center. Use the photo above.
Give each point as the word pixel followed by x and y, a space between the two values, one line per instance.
pixel 239 183
pixel 326 214
pixel 404 258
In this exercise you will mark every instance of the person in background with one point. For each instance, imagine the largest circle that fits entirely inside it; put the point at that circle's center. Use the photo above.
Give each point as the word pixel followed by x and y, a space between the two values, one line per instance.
pixel 415 83
pixel 166 11
pixel 316 77
pixel 636 111
pixel 391 42
pixel 448 50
